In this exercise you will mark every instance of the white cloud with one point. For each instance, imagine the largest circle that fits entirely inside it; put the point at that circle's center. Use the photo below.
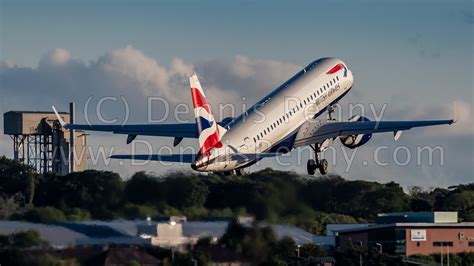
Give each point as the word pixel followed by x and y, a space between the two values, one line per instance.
pixel 56 57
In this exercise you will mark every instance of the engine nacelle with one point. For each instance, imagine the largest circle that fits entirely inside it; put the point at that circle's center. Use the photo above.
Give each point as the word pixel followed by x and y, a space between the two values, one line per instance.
pixel 354 141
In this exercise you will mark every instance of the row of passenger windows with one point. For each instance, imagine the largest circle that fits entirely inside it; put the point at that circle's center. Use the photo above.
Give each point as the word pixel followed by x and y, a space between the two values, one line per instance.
pixel 287 116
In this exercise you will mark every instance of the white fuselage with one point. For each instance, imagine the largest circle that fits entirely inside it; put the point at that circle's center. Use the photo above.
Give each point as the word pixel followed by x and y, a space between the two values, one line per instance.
pixel 269 124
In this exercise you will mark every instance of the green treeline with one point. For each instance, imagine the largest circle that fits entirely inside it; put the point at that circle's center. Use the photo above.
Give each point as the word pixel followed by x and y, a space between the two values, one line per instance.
pixel 273 196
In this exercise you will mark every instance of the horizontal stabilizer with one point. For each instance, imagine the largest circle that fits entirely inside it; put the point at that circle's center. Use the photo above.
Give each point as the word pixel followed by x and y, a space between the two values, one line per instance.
pixel 178 158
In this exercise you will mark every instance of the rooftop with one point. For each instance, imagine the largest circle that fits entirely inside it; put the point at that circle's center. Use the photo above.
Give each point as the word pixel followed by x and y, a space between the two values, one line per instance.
pixel 409 225
pixel 36 112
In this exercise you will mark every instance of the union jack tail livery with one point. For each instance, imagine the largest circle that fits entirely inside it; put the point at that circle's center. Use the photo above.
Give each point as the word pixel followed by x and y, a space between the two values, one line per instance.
pixel 210 132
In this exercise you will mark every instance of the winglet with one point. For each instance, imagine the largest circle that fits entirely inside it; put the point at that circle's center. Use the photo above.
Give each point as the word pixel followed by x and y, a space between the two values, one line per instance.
pixel 455 112
pixel 61 121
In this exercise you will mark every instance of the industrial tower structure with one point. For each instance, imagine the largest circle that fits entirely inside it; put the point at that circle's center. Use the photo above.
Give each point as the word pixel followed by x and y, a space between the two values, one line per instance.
pixel 41 142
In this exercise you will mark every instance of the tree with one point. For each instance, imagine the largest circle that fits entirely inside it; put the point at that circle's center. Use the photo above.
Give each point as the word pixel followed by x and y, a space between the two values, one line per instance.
pixel 16 177
pixel 420 200
pixel 145 189
pixel 256 243
pixel 462 202
pixel 99 192
pixel 184 192
pixel 390 198
pixel 285 248
pixel 312 250
pixel 24 239
pixel 9 205
pixel 44 215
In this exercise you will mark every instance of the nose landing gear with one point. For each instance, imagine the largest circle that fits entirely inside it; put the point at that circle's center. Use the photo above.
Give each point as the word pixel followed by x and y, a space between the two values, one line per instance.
pixel 312 165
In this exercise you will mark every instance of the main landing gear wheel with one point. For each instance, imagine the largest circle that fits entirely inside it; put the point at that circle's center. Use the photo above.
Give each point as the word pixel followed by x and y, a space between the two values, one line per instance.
pixel 323 167
pixel 312 165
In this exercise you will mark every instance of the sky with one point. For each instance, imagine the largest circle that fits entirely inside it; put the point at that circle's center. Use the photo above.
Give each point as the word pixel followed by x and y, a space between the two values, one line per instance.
pixel 411 59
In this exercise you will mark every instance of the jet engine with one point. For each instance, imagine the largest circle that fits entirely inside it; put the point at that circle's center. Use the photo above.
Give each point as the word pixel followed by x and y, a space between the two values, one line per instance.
pixel 354 141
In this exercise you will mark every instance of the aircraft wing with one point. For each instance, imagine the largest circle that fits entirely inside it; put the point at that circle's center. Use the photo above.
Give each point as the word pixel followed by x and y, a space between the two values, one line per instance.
pixel 183 130
pixel 318 131
pixel 179 158
pixel 188 130
pixel 189 158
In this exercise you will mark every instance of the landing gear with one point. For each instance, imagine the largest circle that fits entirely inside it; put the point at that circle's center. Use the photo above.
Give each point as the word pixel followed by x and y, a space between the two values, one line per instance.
pixel 312 165
pixel 238 172
pixel 331 109
pixel 323 167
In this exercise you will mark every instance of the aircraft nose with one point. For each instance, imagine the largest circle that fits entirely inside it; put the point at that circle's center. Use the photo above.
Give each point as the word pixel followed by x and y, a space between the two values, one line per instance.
pixel 350 76
pixel 199 164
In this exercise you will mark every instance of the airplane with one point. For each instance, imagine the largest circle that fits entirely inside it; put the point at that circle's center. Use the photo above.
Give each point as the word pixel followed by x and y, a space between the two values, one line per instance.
pixel 285 119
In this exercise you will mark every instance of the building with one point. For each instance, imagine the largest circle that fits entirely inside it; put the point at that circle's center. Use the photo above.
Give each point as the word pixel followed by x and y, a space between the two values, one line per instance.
pixel 40 142
pixel 412 233
pixel 179 234
pixel 417 217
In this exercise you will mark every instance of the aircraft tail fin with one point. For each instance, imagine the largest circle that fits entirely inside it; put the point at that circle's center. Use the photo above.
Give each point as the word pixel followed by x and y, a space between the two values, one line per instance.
pixel 210 132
